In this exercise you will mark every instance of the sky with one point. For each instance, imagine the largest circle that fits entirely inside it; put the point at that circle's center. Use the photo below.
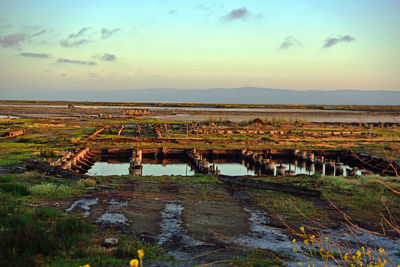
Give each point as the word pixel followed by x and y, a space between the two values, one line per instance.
pixel 128 44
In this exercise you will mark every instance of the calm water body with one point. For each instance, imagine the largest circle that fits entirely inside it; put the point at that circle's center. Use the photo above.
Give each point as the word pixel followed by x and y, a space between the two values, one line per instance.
pixel 177 108
pixel 184 169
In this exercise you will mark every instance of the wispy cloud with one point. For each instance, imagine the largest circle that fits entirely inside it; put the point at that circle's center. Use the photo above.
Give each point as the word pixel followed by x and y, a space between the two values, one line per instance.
pixel 236 14
pixel 172 12
pixel 210 8
pixel 34 55
pixel 329 42
pixel 79 34
pixel 289 42
pixel 106 33
pixel 76 39
pixel 13 40
pixel 73 61
pixel 39 33
pixel 108 57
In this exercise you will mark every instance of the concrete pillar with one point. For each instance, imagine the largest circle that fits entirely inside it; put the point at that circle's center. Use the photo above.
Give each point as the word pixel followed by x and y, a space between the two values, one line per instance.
pixel 280 170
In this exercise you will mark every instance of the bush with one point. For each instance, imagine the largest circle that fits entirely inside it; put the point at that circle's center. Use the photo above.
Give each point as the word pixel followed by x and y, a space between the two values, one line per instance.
pixel 14 189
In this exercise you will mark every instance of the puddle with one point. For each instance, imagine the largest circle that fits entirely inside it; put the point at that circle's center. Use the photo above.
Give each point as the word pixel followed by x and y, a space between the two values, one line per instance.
pixel 118 203
pixel 84 204
pixel 262 236
pixel 171 227
pixel 347 239
pixel 113 218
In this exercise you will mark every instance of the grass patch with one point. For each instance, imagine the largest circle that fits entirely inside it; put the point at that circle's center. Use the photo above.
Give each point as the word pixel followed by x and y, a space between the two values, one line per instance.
pixel 14 189
pixel 5 178
pixel 28 240
pixel 46 213
pixel 71 230
pixel 54 190
pixel 287 205
pixel 257 259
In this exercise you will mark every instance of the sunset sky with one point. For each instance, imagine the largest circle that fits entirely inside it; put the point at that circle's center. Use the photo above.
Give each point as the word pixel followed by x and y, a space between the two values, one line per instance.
pixel 292 44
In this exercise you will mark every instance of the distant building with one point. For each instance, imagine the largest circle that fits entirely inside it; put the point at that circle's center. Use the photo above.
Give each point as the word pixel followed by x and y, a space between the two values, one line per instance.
pixel 257 121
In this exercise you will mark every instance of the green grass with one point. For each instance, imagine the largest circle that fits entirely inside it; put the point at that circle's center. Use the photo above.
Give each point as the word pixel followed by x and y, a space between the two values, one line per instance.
pixel 71 230
pixel 46 213
pixel 54 190
pixel 28 239
pixel 15 189
pixel 287 205
pixel 257 259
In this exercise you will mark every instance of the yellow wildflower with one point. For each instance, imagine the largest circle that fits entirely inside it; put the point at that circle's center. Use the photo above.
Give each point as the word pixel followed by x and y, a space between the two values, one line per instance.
pixel 140 253
pixel 134 263
pixel 306 242
pixel 345 256
pixel 299 263
pixel 382 251
pixel 312 237
pixel 358 253
pixel 302 229
pixel 326 238
pixel 294 240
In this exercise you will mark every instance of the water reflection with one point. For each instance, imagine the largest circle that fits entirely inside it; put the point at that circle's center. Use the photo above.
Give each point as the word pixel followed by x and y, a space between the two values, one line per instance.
pixel 154 167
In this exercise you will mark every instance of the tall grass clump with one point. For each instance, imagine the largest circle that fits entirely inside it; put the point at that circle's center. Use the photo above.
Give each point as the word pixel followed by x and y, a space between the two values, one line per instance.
pixel 53 190
pixel 14 189
pixel 71 230
pixel 27 238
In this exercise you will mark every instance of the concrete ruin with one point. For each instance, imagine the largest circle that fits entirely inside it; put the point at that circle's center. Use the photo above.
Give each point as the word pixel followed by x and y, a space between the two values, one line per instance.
pixel 13 133
pixel 135 112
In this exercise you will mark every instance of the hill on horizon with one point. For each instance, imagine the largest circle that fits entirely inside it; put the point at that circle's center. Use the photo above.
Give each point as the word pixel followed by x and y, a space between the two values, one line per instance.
pixel 242 95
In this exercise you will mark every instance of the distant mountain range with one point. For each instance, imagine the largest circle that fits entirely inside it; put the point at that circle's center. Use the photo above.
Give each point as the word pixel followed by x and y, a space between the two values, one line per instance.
pixel 243 95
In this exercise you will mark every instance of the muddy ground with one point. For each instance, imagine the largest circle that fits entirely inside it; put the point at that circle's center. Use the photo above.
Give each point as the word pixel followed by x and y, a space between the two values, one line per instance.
pixel 191 220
